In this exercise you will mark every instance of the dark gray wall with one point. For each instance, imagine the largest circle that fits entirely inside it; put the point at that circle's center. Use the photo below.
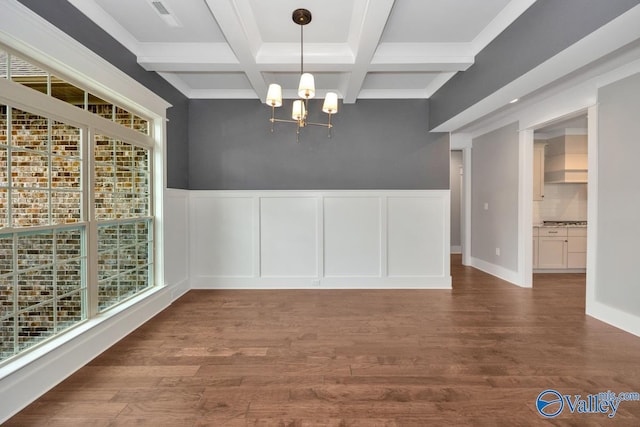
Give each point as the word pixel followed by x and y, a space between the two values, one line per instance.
pixel 67 18
pixel 545 29
pixel 494 180
pixel 617 275
pixel 376 144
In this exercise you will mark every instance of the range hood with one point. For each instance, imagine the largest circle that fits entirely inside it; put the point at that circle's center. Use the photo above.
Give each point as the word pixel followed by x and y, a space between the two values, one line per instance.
pixel 566 159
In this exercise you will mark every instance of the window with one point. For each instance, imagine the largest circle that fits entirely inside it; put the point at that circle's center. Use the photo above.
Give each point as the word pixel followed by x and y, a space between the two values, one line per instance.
pixel 42 285
pixel 122 194
pixel 68 190
pixel 33 76
pixel 42 288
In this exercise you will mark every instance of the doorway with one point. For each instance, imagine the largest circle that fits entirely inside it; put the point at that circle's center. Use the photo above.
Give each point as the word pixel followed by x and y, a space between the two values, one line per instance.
pixel 560 189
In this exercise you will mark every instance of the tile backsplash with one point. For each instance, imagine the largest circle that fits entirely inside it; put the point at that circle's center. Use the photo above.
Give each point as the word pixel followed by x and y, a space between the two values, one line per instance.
pixel 561 202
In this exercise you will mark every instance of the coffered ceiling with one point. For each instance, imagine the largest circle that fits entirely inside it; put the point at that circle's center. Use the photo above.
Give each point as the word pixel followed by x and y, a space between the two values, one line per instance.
pixel 358 48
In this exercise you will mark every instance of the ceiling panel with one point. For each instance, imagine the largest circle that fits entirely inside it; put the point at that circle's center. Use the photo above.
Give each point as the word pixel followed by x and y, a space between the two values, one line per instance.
pixel 142 21
pixel 358 48
pixel 438 21
pixel 329 23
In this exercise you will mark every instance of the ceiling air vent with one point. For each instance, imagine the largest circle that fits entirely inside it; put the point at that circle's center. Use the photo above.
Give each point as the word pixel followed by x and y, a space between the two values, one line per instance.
pixel 165 13
pixel 160 8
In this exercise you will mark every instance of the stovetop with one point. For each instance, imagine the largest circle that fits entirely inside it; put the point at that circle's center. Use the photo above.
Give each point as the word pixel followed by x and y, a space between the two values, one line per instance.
pixel 564 223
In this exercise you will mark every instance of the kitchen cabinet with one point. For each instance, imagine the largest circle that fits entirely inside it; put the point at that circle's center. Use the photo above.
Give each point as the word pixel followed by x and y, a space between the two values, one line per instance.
pixel 559 248
pixel 538 170
pixel 577 248
pixel 552 252
pixel 552 248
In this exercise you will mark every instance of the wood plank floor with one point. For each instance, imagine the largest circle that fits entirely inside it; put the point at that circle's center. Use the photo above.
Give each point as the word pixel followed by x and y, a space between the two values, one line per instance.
pixel 477 355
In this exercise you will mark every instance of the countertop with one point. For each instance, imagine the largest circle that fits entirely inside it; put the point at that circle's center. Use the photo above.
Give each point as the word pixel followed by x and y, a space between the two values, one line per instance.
pixel 559 226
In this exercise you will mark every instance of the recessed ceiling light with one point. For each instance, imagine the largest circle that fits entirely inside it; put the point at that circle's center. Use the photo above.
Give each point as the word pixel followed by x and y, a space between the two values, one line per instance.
pixel 513 101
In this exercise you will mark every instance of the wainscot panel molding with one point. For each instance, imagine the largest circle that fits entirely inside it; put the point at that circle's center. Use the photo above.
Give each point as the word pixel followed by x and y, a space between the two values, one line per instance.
pixel 328 239
pixel 176 241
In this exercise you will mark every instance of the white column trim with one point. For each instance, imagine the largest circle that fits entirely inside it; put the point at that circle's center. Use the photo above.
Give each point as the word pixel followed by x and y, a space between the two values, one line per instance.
pixel 525 208
pixel 592 210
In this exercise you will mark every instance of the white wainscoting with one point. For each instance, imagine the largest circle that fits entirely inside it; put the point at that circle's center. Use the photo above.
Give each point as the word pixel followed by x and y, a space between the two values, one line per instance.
pixel 319 239
pixel 175 223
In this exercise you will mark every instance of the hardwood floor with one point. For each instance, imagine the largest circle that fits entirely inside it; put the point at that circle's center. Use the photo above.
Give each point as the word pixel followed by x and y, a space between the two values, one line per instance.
pixel 477 355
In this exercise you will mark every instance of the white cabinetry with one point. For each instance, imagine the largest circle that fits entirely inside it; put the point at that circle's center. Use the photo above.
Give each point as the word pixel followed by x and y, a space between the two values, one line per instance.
pixel 577 248
pixel 538 171
pixel 552 248
pixel 559 248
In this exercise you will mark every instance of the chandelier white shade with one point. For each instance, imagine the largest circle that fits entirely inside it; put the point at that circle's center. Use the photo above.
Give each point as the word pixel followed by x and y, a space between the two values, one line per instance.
pixel 330 105
pixel 307 86
pixel 306 89
pixel 274 95
pixel 299 112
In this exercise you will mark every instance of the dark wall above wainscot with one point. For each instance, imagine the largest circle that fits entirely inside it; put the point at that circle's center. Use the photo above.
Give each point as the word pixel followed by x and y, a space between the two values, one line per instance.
pixel 376 144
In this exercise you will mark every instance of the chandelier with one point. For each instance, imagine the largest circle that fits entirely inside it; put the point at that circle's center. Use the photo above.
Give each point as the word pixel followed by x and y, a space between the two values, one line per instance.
pixel 306 89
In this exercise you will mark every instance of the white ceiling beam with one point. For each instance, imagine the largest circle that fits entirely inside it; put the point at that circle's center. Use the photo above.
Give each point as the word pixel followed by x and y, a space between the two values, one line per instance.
pixel 436 65
pixel 393 94
pixel 310 68
pixel 198 57
pixel 222 94
pixel 238 24
pixel 369 20
pixel 389 52
pixel 314 53
pixel 411 93
pixel 318 57
pixel 163 65
pixel 422 57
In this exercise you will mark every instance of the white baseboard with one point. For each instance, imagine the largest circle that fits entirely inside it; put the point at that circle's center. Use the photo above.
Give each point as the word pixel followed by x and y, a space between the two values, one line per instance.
pixel 43 368
pixel 614 317
pixel 456 249
pixel 496 270
pixel 417 282
pixel 179 289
